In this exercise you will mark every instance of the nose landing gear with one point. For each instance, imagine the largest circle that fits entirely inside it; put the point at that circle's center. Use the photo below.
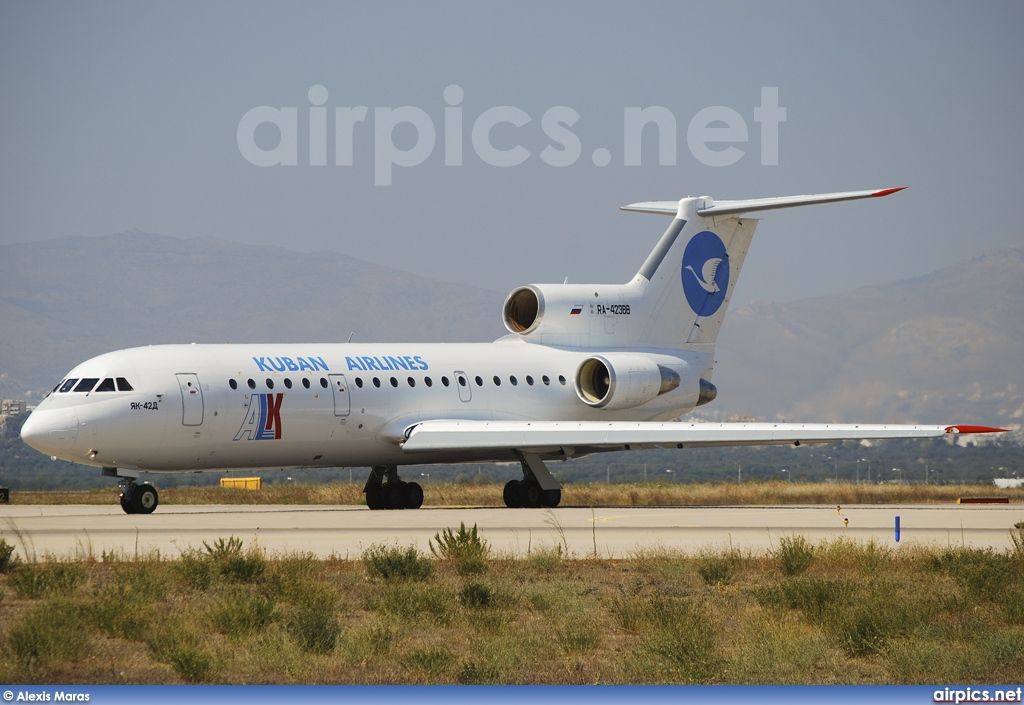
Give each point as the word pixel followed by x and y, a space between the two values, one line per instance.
pixel 136 498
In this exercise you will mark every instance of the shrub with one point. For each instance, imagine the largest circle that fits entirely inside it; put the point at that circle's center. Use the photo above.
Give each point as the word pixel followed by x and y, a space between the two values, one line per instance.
pixel 474 673
pixel 192 663
pixel 579 636
pixel 34 580
pixel 810 594
pixel 315 628
pixel 53 631
pixel 475 595
pixel 243 568
pixel 982 573
pixel 795 555
pixel 224 548
pixel 465 549
pixel 392 562
pixel 545 559
pixel 196 570
pixel 240 614
pixel 684 636
pixel 7 558
pixel 717 569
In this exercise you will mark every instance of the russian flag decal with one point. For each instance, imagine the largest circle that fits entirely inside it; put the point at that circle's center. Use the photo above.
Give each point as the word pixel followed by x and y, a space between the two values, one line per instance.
pixel 576 310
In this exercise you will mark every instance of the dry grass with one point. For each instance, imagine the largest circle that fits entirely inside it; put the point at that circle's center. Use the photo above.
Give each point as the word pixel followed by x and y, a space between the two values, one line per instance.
pixel 855 613
pixel 578 495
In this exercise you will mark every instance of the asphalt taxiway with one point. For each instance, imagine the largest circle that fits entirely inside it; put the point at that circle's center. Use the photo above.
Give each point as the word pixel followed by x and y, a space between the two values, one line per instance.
pixel 345 531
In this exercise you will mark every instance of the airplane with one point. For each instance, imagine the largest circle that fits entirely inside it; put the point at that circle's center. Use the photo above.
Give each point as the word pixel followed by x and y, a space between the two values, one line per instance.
pixel 584 369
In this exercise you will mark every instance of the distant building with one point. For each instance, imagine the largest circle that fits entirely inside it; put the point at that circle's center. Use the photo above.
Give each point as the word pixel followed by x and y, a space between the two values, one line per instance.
pixel 12 407
pixel 11 411
pixel 1005 483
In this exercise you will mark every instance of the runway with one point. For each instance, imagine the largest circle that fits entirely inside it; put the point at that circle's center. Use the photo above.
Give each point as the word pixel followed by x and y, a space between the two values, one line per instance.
pixel 70 530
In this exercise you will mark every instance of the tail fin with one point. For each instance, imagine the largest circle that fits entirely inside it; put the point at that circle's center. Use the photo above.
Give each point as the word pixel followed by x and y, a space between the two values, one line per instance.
pixel 679 297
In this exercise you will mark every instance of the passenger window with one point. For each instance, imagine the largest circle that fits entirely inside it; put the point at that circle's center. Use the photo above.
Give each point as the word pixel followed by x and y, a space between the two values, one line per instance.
pixel 497 381
pixel 359 382
pixel 479 382
pixel 106 385
pixel 529 380
pixel 513 380
pixel 305 382
pixel 68 384
pixel 270 383
pixel 462 381
pixel 233 384
pixel 394 382
pixel 444 380
pixel 427 381
pixel 323 382
pixel 561 380
pixel 123 386
pixel 287 383
pixel 412 382
pixel 251 383
pixel 376 383
pixel 87 384
pixel 545 380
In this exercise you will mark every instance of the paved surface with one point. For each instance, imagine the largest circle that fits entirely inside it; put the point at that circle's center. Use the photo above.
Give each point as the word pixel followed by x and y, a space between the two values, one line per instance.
pixel 617 531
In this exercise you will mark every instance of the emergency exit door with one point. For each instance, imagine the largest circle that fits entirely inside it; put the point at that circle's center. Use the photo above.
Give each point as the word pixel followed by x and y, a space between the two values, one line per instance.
pixel 191 399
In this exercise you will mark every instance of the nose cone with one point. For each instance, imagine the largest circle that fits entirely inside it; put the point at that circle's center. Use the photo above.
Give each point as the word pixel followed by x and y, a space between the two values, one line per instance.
pixel 51 431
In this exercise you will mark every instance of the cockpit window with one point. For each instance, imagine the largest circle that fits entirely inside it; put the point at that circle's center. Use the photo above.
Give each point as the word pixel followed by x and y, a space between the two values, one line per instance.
pixel 106 385
pixel 87 384
pixel 68 384
pixel 123 386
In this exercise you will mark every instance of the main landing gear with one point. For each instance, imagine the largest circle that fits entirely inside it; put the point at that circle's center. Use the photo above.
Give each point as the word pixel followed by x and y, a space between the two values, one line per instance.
pixel 538 488
pixel 386 490
pixel 136 498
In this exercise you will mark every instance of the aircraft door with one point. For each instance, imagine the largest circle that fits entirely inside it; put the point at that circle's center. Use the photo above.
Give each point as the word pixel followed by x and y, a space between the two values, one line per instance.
pixel 342 401
pixel 191 399
pixel 462 382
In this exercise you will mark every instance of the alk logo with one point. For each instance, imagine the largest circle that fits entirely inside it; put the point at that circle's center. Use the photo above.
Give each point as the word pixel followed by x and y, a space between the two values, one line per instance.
pixel 263 420
pixel 705 273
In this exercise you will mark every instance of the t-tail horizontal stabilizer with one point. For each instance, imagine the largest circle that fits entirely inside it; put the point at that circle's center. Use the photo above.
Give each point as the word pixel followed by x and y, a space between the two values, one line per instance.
pixel 717 208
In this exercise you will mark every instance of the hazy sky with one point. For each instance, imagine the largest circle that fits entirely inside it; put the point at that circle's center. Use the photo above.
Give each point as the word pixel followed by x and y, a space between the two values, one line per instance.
pixel 126 115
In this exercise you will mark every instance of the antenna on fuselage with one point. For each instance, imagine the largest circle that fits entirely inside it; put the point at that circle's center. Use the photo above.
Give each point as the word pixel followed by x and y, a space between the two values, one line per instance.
pixel 350 336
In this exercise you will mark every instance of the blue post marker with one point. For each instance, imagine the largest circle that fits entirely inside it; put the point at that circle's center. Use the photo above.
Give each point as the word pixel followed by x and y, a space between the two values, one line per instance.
pixel 897 528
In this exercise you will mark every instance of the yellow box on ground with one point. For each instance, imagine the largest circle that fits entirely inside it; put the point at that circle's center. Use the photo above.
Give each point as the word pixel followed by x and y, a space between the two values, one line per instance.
pixel 242 483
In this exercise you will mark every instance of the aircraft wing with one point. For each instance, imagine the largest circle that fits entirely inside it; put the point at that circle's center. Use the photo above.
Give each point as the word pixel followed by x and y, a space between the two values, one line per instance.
pixel 583 437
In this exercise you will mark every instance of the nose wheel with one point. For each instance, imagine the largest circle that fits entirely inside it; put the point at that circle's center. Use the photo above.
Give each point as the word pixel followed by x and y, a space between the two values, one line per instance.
pixel 138 499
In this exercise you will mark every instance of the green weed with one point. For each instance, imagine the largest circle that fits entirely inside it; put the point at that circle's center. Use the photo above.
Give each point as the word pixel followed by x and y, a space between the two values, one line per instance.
pixel 54 631
pixel 7 558
pixel 315 628
pixel 240 614
pixel 717 568
pixel 475 595
pixel 196 569
pixel 466 550
pixel 394 563
pixel 546 558
pixel 794 555
pixel 35 580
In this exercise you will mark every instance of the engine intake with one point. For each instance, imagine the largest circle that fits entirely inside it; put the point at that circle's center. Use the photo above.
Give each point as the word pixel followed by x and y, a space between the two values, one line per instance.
pixel 523 310
pixel 622 381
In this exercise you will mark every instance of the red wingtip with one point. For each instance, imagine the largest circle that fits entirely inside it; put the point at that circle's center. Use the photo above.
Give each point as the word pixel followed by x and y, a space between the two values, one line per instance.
pixel 887 191
pixel 975 429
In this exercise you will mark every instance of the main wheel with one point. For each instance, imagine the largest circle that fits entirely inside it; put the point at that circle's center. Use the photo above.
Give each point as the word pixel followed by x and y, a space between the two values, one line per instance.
pixel 393 495
pixel 373 498
pixel 528 494
pixel 509 494
pixel 412 495
pixel 550 498
pixel 144 499
pixel 126 502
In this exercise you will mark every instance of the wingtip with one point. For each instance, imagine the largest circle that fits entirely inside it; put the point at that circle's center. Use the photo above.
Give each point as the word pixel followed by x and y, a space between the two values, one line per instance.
pixel 975 429
pixel 887 191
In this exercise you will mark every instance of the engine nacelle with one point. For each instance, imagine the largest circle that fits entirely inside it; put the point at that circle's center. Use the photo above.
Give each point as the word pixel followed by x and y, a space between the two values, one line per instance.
pixel 622 380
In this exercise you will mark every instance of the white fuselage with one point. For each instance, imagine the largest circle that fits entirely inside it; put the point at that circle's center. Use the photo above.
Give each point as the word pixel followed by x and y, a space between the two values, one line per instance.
pixel 202 407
